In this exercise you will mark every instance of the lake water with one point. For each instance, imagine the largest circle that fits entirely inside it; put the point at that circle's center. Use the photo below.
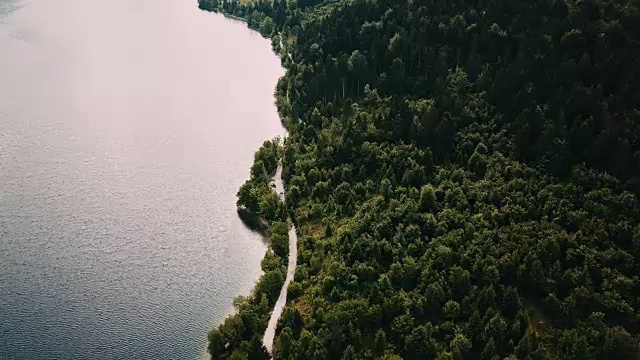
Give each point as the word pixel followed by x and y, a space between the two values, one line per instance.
pixel 126 128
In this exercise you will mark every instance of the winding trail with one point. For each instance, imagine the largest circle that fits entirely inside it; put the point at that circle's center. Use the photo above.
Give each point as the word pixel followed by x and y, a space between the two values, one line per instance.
pixel 270 333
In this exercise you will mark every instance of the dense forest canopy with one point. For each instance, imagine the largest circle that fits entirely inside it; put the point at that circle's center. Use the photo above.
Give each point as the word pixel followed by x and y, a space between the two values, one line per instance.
pixel 464 176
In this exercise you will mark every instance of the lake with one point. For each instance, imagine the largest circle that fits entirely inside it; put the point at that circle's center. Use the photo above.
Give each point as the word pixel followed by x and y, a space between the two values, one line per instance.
pixel 126 128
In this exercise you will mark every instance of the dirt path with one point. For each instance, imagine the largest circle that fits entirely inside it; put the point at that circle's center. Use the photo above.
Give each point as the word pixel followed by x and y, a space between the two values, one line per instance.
pixel 269 334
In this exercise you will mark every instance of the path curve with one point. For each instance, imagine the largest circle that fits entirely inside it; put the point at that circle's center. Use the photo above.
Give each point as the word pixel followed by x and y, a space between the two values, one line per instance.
pixel 270 333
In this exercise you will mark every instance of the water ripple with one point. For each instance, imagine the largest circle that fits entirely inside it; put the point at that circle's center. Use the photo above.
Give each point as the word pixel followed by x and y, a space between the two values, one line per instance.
pixel 120 157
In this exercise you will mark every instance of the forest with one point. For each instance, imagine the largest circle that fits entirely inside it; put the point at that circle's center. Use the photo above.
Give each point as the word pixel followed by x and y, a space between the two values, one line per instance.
pixel 464 176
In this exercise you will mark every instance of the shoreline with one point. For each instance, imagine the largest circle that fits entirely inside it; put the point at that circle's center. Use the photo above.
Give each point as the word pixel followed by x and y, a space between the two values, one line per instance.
pixel 228 16
pixel 233 17
pixel 268 336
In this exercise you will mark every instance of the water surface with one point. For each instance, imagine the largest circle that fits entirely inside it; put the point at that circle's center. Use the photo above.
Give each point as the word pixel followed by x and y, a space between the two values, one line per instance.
pixel 126 128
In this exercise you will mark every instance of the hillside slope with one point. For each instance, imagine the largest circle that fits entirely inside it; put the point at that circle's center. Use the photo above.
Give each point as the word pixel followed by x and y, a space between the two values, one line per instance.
pixel 464 177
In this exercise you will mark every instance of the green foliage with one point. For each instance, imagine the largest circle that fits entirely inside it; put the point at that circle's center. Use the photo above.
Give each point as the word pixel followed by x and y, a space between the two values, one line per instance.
pixel 266 26
pixel 460 346
pixel 451 310
pixel 240 336
pixel 279 239
pixel 284 344
pixel 270 284
pixel 466 178
pixel 257 194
